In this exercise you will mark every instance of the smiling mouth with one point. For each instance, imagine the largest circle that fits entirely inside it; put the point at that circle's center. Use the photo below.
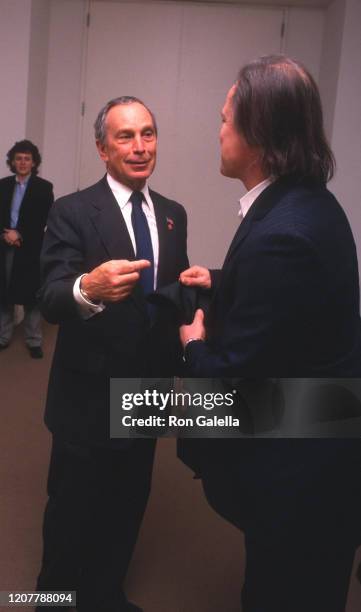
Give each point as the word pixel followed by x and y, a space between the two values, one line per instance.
pixel 139 165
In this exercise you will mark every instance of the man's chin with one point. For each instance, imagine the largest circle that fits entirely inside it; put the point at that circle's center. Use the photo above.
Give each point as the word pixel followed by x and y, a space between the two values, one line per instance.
pixel 141 172
pixel 136 181
pixel 139 176
pixel 226 172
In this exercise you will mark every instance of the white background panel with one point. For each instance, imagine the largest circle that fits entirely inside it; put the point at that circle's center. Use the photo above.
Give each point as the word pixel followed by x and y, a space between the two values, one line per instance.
pixel 216 41
pixel 132 50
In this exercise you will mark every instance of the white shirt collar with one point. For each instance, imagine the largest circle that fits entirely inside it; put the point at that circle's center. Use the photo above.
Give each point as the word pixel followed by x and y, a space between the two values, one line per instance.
pixel 122 193
pixel 247 200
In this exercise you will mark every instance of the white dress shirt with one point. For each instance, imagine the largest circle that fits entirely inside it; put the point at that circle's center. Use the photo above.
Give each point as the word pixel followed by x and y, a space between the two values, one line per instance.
pixel 122 195
pixel 247 200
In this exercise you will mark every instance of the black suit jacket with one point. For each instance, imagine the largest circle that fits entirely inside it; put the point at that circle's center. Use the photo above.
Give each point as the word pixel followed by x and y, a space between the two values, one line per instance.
pixel 86 229
pixel 286 304
pixel 287 301
pixel 25 277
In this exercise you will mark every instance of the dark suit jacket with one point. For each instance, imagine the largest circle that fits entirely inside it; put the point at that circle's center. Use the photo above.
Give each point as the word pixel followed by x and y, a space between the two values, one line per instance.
pixel 287 302
pixel 86 229
pixel 286 305
pixel 25 278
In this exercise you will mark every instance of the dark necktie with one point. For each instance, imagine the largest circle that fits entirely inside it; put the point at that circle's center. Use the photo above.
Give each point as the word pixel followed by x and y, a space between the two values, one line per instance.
pixel 144 249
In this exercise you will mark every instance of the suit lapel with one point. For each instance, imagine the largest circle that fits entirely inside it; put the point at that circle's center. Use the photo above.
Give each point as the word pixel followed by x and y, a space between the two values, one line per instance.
pixel 26 202
pixel 239 236
pixel 163 236
pixel 6 199
pixel 109 223
pixel 259 209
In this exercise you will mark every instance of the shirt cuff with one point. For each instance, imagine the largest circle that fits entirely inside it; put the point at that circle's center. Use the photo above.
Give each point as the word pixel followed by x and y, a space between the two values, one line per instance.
pixel 86 308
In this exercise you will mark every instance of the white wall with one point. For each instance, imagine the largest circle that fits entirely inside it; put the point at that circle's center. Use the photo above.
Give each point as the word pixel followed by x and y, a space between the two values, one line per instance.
pixel 303 37
pixel 38 70
pixel 63 94
pixel 330 61
pixel 346 138
pixel 15 18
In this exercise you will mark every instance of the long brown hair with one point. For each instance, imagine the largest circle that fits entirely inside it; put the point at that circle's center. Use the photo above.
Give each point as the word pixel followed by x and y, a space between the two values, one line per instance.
pixel 277 107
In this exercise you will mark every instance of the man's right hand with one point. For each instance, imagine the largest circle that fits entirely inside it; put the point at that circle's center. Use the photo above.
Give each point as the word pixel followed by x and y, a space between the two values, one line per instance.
pixel 113 280
pixel 196 276
pixel 12 237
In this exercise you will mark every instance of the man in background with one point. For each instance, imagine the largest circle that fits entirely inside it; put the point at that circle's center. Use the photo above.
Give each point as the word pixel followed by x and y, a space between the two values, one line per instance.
pixel 25 200
pixel 286 304
pixel 106 248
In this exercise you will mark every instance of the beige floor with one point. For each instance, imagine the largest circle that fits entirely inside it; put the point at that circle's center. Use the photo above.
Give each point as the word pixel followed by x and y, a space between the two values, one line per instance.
pixel 187 559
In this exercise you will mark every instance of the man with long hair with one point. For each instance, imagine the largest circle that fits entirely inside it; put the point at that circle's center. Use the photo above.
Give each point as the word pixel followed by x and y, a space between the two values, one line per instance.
pixel 286 304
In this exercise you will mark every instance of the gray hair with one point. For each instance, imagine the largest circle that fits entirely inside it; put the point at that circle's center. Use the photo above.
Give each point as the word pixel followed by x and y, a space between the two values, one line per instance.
pixel 99 125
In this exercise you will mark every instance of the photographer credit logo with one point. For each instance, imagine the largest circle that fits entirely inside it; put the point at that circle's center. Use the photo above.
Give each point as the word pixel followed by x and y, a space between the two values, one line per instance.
pixel 162 409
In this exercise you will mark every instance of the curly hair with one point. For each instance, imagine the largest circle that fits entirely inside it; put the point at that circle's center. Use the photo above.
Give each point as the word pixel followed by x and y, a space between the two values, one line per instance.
pixel 24 146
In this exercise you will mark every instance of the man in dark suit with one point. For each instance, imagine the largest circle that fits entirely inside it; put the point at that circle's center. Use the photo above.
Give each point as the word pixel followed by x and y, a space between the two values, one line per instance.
pixel 285 304
pixel 25 200
pixel 105 249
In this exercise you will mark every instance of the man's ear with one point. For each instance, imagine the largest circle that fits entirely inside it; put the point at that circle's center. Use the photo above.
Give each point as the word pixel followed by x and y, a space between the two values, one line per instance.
pixel 102 150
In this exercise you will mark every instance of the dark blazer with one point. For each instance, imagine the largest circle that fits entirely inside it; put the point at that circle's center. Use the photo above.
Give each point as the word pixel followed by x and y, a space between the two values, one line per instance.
pixel 84 230
pixel 287 301
pixel 34 210
pixel 286 304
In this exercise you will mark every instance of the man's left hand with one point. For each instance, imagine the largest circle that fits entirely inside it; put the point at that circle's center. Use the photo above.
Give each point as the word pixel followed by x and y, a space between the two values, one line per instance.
pixel 195 330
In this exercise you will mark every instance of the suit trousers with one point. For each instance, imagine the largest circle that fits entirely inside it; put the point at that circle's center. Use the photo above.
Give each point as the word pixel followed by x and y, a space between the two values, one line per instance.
pixel 97 499
pixel 298 504
pixel 32 316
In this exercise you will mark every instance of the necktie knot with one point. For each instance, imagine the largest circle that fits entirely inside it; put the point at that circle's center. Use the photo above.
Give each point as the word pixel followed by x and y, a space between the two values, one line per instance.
pixel 136 198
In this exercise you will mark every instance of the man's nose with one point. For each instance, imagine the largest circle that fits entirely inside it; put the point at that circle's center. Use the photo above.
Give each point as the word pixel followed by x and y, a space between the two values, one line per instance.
pixel 138 144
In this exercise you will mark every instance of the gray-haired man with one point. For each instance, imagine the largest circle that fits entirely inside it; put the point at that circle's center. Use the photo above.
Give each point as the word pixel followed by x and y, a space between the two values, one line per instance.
pixel 106 247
